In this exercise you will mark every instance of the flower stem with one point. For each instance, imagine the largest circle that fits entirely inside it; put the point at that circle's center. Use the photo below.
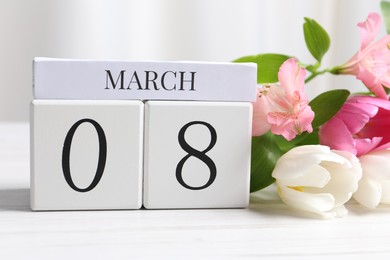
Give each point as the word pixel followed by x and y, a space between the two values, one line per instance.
pixel 316 73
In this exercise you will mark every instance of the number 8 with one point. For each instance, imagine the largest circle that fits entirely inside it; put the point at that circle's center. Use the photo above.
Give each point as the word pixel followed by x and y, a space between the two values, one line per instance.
pixel 201 155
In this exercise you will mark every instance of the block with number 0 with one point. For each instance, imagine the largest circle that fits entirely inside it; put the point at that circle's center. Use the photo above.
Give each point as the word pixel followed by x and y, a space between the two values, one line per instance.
pixel 86 154
pixel 197 154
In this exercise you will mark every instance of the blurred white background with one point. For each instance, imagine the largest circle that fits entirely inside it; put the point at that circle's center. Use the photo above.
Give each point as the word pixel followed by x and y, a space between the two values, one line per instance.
pixel 209 30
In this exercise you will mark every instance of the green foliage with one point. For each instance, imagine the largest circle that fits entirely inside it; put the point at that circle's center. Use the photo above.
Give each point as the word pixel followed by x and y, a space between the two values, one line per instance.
pixel 317 39
pixel 327 104
pixel 385 6
pixel 265 153
pixel 285 145
pixel 267 66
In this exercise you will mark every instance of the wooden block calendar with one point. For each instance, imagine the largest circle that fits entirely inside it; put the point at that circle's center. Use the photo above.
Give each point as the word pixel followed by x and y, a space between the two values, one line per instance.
pixel 197 154
pixel 119 135
pixel 86 154
pixel 115 80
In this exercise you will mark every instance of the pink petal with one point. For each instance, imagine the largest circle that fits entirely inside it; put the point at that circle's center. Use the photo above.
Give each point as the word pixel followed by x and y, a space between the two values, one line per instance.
pixel 291 76
pixel 305 119
pixel 287 101
pixel 372 82
pixel 366 145
pixel 370 100
pixel 382 147
pixel 362 125
pixel 260 125
pixel 356 115
pixel 336 135
pixel 289 132
pixel 369 29
pixel 282 126
pixel 380 45
pixel 373 66
pixel 378 126
pixel 379 91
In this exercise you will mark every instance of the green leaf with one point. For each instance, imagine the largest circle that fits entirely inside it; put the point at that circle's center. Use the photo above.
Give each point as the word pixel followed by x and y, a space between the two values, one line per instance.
pixel 265 153
pixel 286 145
pixel 267 66
pixel 317 39
pixel 385 6
pixel 303 139
pixel 327 104
pixel 311 138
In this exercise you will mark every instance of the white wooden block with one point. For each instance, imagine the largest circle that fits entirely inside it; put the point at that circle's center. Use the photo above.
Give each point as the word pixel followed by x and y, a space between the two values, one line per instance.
pixel 197 154
pixel 86 154
pixel 152 80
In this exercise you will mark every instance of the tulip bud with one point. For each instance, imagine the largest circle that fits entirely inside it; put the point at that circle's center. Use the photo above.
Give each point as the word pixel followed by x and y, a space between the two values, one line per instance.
pixel 315 179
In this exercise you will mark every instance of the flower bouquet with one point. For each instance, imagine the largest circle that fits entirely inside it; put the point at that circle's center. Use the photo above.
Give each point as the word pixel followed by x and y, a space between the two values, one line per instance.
pixel 337 146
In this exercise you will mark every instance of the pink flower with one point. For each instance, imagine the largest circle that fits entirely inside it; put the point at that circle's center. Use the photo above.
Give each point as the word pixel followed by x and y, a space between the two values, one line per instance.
pixel 371 64
pixel 283 108
pixel 362 125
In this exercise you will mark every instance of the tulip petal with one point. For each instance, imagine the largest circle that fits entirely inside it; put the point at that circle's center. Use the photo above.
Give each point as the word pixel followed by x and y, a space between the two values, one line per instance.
pixel 315 179
pixel 336 135
pixel 378 128
pixel 385 198
pixel 356 167
pixel 316 176
pixel 316 203
pixel 381 119
pixel 384 153
pixel 342 184
pixel 356 115
pixel 366 145
pixel 369 29
pixel 369 193
pixel 361 126
pixel 385 146
pixel 340 211
pixel 375 167
pixel 301 159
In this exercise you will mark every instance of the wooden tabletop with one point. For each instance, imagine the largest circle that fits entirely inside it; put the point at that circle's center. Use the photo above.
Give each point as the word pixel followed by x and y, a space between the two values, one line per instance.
pixel 267 229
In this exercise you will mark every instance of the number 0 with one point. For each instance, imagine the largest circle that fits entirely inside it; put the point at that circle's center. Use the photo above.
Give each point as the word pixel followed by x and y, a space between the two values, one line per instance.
pixel 102 155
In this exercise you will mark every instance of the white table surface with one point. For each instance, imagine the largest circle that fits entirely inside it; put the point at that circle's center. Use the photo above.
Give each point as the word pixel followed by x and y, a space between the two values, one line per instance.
pixel 267 229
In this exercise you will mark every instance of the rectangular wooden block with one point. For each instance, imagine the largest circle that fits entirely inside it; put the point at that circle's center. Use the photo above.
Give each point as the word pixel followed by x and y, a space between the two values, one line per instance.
pixel 86 154
pixel 197 154
pixel 152 80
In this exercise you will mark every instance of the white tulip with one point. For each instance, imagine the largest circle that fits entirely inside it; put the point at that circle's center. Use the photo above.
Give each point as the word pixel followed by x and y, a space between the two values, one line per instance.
pixel 374 187
pixel 315 179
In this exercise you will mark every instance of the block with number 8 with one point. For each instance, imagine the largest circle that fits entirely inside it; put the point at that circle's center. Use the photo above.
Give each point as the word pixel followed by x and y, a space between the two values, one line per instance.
pixel 197 154
pixel 86 154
